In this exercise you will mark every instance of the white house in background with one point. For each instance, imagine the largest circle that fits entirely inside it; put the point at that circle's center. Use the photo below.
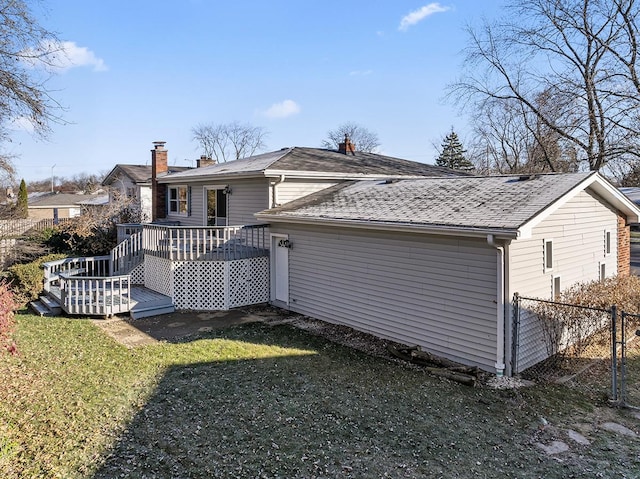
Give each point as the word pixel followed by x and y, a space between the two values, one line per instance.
pixel 436 261
pixel 133 181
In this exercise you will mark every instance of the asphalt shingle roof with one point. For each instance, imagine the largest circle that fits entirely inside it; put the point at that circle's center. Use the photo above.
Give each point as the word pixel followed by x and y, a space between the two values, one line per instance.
pixel 496 202
pixel 60 200
pixel 317 160
pixel 141 173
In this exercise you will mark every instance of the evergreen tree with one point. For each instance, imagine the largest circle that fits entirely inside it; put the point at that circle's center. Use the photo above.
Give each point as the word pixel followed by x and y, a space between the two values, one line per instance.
pixel 452 154
pixel 22 207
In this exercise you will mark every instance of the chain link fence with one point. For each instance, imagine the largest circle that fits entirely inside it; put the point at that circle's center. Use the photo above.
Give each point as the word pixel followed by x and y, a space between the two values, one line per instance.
pixel 594 349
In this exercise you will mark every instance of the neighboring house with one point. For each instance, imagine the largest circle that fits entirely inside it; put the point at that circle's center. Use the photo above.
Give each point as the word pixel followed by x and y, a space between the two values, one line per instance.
pixel 436 261
pixel 59 205
pixel 134 181
pixel 231 193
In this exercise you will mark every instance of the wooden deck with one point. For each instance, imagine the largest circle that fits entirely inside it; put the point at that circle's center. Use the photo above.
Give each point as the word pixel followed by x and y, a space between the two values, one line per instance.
pixel 142 302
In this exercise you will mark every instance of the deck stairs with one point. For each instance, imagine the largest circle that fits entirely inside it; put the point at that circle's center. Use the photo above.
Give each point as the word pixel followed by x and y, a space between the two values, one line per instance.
pixel 46 306
pixel 100 286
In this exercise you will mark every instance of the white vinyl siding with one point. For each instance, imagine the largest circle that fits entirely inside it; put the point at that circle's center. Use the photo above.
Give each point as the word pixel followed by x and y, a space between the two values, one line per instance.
pixel 291 190
pixel 436 292
pixel 246 198
pixel 577 232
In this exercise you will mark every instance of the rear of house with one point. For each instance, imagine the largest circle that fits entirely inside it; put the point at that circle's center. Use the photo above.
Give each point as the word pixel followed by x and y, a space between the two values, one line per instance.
pixel 435 262
pixel 585 239
pixel 434 291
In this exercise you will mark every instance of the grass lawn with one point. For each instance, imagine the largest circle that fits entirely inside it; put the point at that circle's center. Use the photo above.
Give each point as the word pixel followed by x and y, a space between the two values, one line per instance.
pixel 273 401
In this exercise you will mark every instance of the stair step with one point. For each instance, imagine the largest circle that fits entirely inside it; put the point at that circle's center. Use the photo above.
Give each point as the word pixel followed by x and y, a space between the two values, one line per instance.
pixel 51 304
pixel 153 311
pixel 39 308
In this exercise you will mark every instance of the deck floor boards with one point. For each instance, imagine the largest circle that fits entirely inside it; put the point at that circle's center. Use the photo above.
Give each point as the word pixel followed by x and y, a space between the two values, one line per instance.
pixel 140 297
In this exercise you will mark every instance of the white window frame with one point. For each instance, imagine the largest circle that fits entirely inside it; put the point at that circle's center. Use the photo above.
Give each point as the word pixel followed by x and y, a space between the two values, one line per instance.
pixel 178 201
pixel 602 265
pixel 608 238
pixel 545 254
pixel 556 290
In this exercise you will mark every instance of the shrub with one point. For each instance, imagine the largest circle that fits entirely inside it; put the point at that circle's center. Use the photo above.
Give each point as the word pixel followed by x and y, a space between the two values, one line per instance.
pixel 565 325
pixel 27 279
pixel 7 307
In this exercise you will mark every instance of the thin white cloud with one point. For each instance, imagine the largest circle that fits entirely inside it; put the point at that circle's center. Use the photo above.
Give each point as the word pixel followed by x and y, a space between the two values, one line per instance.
pixel 63 56
pixel 21 123
pixel 360 73
pixel 283 109
pixel 420 14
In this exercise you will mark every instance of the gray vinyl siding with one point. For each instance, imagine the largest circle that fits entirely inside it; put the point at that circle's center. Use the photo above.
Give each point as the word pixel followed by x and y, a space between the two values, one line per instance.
pixel 246 198
pixel 439 293
pixel 578 233
pixel 291 190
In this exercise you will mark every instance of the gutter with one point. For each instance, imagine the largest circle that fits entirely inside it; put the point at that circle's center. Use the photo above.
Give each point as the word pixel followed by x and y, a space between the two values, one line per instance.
pixel 501 306
pixel 504 234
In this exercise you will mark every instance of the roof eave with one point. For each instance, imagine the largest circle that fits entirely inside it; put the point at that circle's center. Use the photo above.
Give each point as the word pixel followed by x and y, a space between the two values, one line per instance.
pixel 498 233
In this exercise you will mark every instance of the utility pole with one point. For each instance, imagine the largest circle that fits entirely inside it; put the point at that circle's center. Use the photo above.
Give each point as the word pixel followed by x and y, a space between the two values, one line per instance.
pixel 52 177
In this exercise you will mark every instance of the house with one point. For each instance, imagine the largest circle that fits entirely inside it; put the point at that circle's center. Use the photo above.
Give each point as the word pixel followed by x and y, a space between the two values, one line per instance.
pixel 231 193
pixel 60 205
pixel 134 181
pixel 406 251
pixel 436 261
pixel 204 250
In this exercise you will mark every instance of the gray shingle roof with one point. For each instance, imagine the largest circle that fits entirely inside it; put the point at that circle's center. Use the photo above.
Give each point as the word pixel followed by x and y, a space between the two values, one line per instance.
pixel 494 202
pixel 137 173
pixel 316 161
pixel 61 200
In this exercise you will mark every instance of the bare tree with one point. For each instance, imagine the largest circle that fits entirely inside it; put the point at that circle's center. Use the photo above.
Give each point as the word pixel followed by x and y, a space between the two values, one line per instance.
pixel 510 139
pixel 229 141
pixel 580 56
pixel 25 46
pixel 364 139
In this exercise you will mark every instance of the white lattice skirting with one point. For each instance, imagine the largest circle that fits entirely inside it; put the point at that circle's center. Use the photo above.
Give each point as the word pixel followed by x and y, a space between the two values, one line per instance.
pixel 209 285
pixel 137 274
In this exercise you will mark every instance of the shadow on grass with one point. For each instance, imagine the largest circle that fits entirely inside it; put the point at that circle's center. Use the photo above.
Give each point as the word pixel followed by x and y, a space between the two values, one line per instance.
pixel 335 413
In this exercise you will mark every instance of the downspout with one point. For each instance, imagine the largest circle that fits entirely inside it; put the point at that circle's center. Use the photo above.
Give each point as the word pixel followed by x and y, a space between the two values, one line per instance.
pixel 500 295
pixel 274 191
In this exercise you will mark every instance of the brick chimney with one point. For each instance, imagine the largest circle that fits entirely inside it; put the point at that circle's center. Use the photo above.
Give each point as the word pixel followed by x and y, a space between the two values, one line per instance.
pixel 159 168
pixel 346 147
pixel 204 161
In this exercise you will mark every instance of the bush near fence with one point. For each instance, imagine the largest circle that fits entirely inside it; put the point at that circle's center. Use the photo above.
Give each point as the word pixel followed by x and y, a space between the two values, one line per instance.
pixel 578 333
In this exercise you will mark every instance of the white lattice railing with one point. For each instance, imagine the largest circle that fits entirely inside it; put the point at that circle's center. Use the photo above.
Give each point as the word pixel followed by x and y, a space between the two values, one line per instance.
pixel 180 243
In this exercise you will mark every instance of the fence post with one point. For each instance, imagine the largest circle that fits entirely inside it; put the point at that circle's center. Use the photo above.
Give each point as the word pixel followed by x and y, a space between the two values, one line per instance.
pixel 514 336
pixel 623 360
pixel 614 354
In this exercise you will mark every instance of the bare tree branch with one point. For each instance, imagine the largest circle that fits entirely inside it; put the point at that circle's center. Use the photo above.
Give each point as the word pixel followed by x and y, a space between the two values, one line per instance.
pixel 229 141
pixel 364 139
pixel 581 55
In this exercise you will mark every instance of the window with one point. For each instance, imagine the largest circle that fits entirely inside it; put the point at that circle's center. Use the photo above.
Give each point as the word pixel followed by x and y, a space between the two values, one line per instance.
pixel 607 242
pixel 603 271
pixel 548 255
pixel 555 288
pixel 179 200
pixel 131 192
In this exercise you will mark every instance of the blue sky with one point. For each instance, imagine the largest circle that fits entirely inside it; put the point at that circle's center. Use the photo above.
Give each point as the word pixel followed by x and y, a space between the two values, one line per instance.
pixel 141 71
